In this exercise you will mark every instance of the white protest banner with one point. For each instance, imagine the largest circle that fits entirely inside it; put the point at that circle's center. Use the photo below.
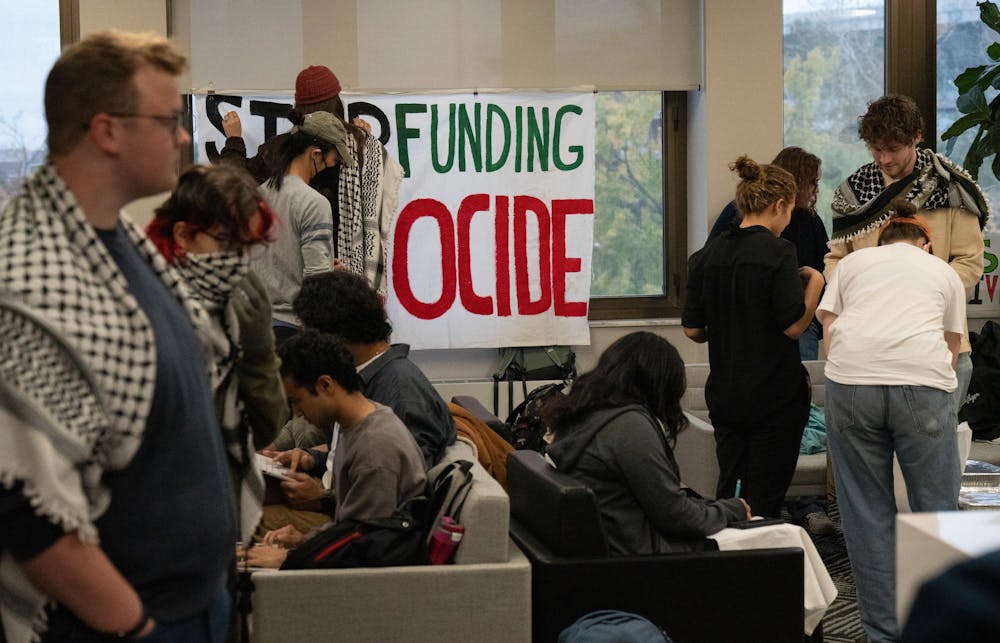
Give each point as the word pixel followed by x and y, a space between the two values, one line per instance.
pixel 985 300
pixel 491 244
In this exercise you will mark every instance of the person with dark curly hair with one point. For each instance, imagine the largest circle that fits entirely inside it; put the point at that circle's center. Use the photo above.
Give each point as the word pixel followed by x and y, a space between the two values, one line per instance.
pixel 615 432
pixel 344 304
pixel 377 465
pixel 947 198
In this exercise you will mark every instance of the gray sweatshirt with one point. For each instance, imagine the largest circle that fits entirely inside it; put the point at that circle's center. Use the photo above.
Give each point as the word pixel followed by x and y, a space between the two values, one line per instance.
pixel 376 467
pixel 303 243
pixel 622 455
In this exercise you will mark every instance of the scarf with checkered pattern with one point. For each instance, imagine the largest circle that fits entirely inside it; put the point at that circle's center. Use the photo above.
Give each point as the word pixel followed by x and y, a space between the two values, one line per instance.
pixel 862 203
pixel 77 367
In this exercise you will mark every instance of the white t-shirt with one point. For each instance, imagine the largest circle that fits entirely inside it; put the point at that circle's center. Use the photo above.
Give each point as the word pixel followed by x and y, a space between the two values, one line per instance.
pixel 893 305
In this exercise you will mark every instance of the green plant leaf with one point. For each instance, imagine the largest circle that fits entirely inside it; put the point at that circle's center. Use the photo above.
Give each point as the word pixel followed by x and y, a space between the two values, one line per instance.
pixel 959 126
pixel 969 78
pixel 990 141
pixel 989 77
pixel 972 101
pixel 993 51
pixel 974 157
pixel 990 15
pixel 949 147
pixel 996 166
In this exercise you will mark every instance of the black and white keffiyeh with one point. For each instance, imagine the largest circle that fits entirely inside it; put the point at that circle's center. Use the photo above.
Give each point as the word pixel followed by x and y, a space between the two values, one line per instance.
pixel 51 418
pixel 213 275
pixel 861 202
pixel 213 278
pixel 53 262
pixel 368 195
pixel 79 364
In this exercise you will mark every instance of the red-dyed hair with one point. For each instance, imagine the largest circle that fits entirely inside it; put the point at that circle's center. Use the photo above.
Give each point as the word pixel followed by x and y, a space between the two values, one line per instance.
pixel 903 224
pixel 208 196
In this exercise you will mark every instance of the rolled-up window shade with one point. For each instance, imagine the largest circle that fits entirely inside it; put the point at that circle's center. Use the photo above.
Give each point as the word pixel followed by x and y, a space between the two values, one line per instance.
pixel 446 44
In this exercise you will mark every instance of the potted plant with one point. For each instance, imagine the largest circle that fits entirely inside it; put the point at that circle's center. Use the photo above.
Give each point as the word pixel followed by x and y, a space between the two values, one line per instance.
pixel 973 85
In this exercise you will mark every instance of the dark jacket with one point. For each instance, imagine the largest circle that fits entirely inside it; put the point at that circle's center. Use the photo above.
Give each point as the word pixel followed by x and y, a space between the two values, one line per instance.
pixel 263 165
pixel 622 454
pixel 393 380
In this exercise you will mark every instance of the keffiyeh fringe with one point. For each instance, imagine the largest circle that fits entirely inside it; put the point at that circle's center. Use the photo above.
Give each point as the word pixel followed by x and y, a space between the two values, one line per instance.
pixel 861 204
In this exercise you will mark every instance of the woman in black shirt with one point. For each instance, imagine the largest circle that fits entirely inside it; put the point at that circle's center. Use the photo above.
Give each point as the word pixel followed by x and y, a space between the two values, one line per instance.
pixel 746 299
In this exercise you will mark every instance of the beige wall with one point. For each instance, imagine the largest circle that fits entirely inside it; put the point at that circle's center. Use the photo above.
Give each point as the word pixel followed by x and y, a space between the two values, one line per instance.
pixel 134 15
pixel 739 109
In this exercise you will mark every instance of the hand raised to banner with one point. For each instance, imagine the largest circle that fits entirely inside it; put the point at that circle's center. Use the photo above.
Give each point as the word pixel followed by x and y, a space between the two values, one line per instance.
pixel 232 125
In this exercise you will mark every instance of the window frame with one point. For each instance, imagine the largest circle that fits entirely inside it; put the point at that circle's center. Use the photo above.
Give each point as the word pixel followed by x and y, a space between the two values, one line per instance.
pixel 911 57
pixel 674 252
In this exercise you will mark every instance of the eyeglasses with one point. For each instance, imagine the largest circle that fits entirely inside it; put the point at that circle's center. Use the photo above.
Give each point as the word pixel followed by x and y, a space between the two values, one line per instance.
pixel 173 122
pixel 225 241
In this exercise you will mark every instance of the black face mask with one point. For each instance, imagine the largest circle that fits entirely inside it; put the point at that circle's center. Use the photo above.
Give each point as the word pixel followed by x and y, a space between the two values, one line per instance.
pixel 326 178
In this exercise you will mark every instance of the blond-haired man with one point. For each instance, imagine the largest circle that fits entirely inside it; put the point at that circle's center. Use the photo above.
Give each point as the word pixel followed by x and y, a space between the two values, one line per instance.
pixel 115 519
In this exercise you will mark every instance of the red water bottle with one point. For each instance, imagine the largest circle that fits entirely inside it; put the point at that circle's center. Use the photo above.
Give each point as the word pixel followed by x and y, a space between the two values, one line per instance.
pixel 445 541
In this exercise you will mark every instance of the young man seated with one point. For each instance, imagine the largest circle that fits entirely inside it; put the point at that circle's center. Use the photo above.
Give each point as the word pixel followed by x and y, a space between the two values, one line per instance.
pixel 343 303
pixel 376 462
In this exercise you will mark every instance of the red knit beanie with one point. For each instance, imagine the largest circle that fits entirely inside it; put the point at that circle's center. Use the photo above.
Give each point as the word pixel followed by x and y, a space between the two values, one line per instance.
pixel 315 84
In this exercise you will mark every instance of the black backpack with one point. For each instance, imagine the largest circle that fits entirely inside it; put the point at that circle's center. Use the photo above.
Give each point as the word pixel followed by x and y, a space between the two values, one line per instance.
pixel 527 428
pixel 981 407
pixel 447 494
pixel 381 542
pixel 398 540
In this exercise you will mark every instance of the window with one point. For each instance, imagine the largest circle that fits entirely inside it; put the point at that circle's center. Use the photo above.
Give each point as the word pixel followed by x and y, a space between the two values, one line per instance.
pixel 834 65
pixel 962 39
pixel 628 191
pixel 638 245
pixel 27 27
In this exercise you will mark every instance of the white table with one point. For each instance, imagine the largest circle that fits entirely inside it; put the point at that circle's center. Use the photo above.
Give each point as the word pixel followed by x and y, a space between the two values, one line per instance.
pixel 929 543
pixel 819 588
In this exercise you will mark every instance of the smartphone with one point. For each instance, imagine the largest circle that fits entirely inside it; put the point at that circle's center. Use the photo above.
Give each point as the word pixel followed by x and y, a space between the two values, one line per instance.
pixel 763 522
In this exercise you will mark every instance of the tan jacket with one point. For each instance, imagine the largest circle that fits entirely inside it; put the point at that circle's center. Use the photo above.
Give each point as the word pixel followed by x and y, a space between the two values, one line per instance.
pixel 955 237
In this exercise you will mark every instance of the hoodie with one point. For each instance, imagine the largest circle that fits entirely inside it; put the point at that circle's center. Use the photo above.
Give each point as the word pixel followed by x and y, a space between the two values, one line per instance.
pixel 622 454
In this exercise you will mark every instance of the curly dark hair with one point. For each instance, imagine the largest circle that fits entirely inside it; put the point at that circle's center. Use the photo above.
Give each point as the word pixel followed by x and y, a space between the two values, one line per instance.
pixel 804 168
pixel 639 368
pixel 342 302
pixel 891 119
pixel 309 355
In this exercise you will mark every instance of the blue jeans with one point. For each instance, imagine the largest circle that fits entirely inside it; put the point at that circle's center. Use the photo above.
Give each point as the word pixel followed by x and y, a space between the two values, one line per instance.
pixel 210 626
pixel 864 425
pixel 809 342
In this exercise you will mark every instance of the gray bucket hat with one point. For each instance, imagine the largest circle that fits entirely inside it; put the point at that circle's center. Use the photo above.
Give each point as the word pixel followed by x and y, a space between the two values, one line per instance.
pixel 327 127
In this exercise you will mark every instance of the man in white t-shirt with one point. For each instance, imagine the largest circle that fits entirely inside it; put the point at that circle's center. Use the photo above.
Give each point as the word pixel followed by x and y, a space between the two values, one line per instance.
pixel 893 318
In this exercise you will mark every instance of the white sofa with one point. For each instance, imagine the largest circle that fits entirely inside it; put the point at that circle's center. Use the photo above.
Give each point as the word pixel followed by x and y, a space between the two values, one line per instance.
pixel 484 596
pixel 695 449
